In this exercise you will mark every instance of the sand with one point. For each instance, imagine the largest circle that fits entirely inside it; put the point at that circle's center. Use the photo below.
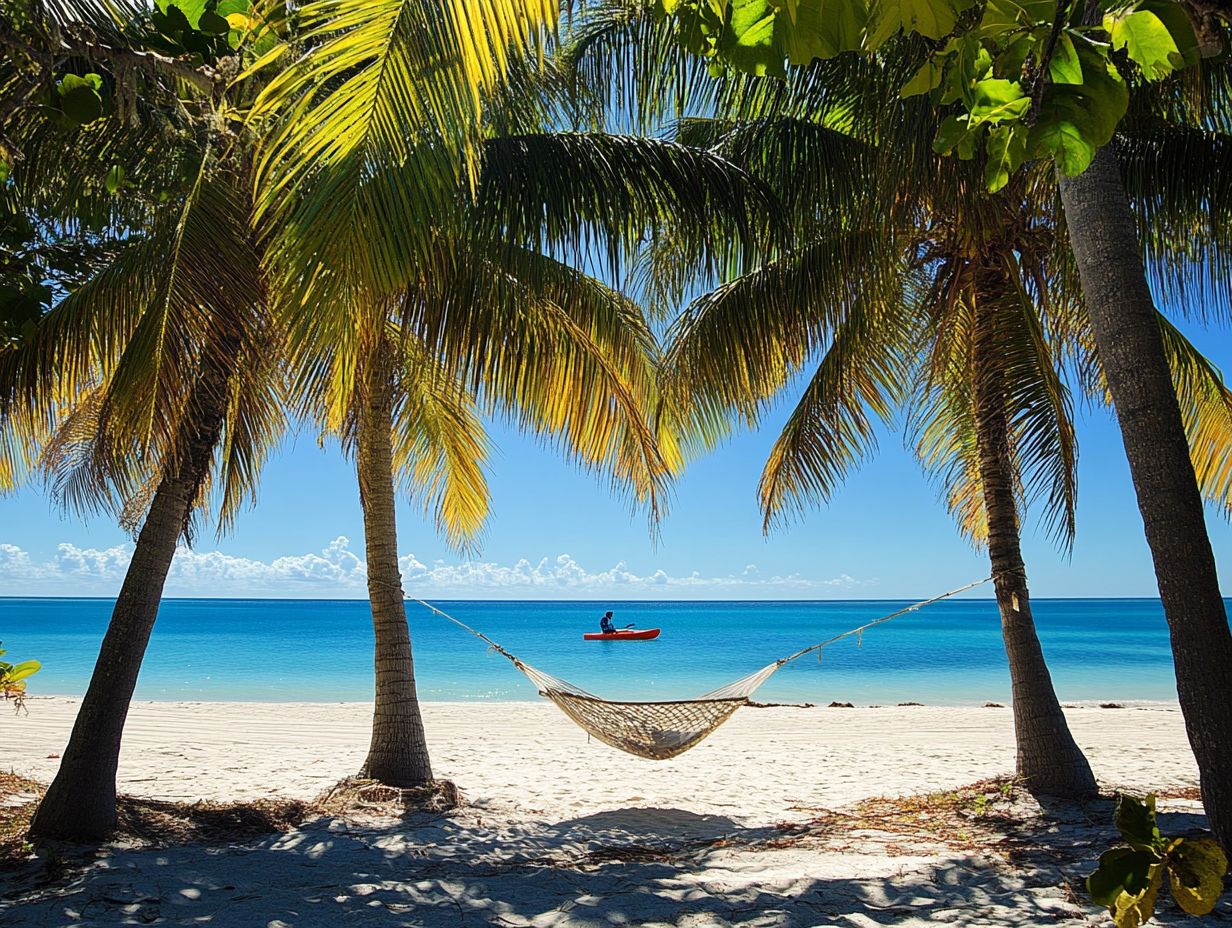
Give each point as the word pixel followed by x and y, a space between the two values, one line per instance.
pixel 549 821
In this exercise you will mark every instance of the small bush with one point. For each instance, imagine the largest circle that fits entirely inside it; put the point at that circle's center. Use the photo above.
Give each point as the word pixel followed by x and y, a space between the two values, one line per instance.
pixel 1130 878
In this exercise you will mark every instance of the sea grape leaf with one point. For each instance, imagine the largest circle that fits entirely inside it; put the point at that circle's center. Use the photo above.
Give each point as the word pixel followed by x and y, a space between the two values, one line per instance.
pixel 1006 149
pixel 1173 15
pixel 1121 870
pixel 1009 63
pixel 1131 910
pixel 212 24
pixel 1147 40
pixel 21 671
pixel 1196 867
pixel 822 29
pixel 1074 120
pixel 996 100
pixel 750 41
pixel 955 135
pixel 79 97
pixel 925 79
pixel 933 19
pixel 189 10
pixel 1064 67
pixel 1135 820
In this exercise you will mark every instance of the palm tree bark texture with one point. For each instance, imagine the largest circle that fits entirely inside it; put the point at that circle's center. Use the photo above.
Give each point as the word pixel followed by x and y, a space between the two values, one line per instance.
pixel 1049 760
pixel 1105 243
pixel 80 804
pixel 398 753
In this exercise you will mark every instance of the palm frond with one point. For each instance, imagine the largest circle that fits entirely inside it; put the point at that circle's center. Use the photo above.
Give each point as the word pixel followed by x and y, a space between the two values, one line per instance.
pixel 1206 407
pixel 742 341
pixel 557 352
pixel 376 124
pixel 582 194
pixel 861 378
pixel 440 447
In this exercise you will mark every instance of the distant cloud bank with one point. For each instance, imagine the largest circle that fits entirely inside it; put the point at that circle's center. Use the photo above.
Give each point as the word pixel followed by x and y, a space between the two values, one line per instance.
pixel 338 572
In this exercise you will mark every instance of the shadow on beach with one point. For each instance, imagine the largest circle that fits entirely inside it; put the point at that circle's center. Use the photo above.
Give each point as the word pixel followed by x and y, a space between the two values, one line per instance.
pixel 630 866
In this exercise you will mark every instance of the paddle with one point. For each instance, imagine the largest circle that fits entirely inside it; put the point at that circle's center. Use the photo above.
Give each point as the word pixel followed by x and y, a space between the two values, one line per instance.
pixel 630 625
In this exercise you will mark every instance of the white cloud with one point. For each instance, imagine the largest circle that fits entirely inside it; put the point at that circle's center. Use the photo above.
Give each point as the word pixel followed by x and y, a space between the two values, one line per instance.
pixel 337 571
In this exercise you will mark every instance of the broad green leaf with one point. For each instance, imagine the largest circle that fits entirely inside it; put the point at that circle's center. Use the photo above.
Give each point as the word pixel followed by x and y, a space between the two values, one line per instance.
pixel 925 79
pixel 1147 41
pixel 1180 27
pixel 4 176
pixel 1009 63
pixel 1001 16
pixel 23 670
pixel 971 64
pixel 823 29
pixel 191 10
pixel 1064 67
pixel 948 133
pixel 1121 870
pixel 1196 868
pixel 933 19
pixel 1074 120
pixel 1007 149
pixel 1135 820
pixel 213 24
pixel 749 41
pixel 1131 910
pixel 996 100
pixel 79 97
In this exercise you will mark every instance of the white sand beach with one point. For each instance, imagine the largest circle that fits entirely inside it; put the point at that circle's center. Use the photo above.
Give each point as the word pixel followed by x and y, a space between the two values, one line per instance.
pixel 556 831
pixel 763 766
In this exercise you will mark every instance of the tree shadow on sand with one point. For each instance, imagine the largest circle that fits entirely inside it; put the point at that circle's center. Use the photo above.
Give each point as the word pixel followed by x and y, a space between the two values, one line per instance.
pixel 631 866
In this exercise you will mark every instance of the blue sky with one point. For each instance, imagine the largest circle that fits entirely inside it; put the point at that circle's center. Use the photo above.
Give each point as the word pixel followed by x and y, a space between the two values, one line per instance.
pixel 558 533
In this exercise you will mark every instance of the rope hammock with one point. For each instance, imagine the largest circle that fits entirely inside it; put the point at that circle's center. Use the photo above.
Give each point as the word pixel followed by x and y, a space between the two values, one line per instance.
pixel 662 729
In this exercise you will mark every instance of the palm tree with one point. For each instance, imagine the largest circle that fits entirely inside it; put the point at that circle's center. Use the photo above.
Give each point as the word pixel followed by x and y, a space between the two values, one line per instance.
pixel 1107 245
pixel 830 429
pixel 165 360
pixel 1122 311
pixel 481 287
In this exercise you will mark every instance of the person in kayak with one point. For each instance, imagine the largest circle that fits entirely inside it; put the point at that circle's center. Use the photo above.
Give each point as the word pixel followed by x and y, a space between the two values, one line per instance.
pixel 605 624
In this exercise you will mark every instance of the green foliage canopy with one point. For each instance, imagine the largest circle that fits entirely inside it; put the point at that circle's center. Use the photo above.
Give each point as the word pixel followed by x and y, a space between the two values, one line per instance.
pixel 1023 79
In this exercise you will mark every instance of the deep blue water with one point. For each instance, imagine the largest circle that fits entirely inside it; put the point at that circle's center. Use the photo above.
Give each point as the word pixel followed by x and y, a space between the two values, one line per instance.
pixel 949 653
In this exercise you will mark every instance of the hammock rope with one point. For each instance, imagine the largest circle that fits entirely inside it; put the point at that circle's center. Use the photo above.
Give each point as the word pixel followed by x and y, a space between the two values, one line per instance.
pixel 661 729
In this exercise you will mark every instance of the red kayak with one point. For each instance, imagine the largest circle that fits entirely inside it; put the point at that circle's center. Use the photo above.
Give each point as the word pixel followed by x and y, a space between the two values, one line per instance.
pixel 627 634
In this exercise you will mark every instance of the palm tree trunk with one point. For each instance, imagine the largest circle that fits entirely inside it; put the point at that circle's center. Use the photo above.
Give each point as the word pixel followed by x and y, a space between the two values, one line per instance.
pixel 80 804
pixel 1123 319
pixel 1049 760
pixel 398 753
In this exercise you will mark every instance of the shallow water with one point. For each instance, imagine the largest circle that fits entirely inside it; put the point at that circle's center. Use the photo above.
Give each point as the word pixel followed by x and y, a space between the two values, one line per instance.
pixel 298 650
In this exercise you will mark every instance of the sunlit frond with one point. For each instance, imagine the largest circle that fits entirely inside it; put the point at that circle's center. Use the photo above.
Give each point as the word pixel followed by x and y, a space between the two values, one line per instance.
pixel 376 117
pixel 743 340
pixel 861 379
pixel 440 448
pixel 573 363
pixel 1040 411
pixel 1206 407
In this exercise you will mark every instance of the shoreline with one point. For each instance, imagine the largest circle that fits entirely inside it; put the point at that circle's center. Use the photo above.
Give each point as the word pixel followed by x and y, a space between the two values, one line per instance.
pixel 763 766
pixel 994 702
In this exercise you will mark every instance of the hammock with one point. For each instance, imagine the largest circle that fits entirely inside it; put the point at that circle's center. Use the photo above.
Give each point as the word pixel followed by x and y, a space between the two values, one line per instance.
pixel 662 729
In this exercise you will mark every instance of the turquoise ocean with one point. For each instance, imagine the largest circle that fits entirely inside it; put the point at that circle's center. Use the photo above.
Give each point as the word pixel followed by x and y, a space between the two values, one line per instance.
pixel 321 650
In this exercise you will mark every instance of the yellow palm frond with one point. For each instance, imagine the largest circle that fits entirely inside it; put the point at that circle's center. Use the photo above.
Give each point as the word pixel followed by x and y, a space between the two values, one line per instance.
pixel 376 124
pixel 1206 407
